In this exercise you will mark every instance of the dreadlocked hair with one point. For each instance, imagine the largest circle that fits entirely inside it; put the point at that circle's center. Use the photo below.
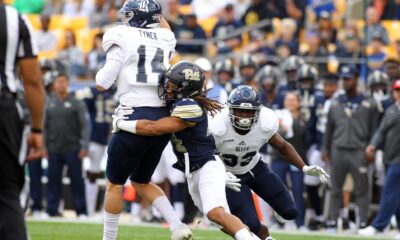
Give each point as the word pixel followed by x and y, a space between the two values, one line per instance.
pixel 210 105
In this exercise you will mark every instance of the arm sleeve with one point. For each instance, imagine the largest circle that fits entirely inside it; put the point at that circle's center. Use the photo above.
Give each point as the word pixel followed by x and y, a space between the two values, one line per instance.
pixel 26 45
pixel 84 124
pixel 106 76
pixel 188 110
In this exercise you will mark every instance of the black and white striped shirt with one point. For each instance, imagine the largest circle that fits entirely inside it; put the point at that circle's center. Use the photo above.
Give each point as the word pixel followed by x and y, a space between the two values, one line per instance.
pixel 15 43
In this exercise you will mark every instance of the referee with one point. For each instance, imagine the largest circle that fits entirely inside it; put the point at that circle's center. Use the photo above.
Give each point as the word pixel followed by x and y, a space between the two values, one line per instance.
pixel 16 48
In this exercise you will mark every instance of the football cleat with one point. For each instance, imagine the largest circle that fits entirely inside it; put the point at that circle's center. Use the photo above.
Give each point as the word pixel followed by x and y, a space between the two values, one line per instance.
pixel 182 233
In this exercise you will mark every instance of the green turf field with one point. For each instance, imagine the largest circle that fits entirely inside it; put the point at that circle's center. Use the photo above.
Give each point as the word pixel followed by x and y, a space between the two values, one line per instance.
pixel 83 231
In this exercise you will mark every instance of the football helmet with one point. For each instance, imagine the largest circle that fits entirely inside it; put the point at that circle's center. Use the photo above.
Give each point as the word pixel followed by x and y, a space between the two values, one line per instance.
pixel 184 79
pixel 292 63
pixel 248 67
pixel 378 78
pixel 244 98
pixel 141 13
pixel 306 75
pixel 225 65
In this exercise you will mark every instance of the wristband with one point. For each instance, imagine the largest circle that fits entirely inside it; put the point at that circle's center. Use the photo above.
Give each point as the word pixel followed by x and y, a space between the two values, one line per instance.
pixel 128 126
pixel 36 130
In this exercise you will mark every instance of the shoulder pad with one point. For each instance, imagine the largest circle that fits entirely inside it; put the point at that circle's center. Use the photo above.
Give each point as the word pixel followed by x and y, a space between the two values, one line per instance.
pixel 268 120
pixel 217 124
pixel 187 109
pixel 114 36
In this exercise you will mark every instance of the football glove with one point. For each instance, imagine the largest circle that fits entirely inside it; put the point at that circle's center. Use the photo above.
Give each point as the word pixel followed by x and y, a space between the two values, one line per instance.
pixel 232 182
pixel 316 171
pixel 120 113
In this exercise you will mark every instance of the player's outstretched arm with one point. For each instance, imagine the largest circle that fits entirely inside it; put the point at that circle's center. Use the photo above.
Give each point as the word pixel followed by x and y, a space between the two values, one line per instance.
pixel 151 128
pixel 290 154
pixel 287 150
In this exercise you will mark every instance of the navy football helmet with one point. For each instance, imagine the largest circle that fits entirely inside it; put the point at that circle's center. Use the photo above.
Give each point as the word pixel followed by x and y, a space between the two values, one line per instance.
pixel 378 81
pixel 184 79
pixel 141 13
pixel 247 100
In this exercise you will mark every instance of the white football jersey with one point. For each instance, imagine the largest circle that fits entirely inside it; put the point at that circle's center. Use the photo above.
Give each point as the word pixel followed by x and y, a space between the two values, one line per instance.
pixel 240 152
pixel 145 59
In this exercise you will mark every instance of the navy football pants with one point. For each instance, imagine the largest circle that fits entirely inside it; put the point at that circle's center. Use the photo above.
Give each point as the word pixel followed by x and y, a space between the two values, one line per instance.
pixel 266 185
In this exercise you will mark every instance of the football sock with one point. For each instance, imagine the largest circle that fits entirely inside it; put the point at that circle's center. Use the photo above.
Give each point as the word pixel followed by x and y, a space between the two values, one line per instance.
pixel 110 230
pixel 92 190
pixel 345 212
pixel 165 208
pixel 243 234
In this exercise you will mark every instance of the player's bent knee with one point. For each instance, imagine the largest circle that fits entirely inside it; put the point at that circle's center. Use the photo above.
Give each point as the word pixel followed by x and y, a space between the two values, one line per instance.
pixel 114 188
pixel 216 214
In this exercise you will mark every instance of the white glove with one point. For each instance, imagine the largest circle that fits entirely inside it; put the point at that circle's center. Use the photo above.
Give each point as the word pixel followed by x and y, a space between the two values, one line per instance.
pixel 123 111
pixel 120 113
pixel 316 171
pixel 114 123
pixel 232 182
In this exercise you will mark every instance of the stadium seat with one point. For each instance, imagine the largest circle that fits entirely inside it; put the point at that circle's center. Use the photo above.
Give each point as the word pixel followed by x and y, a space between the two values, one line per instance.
pixel 56 22
pixel 60 34
pixel 208 24
pixel 48 54
pixel 85 38
pixel 185 9
pixel 393 29
pixel 34 19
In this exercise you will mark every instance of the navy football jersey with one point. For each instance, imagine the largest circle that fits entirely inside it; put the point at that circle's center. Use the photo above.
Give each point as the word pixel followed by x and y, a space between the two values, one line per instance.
pixel 100 106
pixel 196 140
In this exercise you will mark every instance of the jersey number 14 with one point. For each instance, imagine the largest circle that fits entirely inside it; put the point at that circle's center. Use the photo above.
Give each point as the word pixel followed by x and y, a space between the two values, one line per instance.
pixel 150 69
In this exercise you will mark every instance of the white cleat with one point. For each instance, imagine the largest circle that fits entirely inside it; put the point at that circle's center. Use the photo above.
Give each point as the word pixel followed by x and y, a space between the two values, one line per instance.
pixel 367 232
pixel 182 233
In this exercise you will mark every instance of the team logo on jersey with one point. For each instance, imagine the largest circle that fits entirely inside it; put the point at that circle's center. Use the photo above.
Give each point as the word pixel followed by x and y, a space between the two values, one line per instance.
pixel 191 75
pixel 242 143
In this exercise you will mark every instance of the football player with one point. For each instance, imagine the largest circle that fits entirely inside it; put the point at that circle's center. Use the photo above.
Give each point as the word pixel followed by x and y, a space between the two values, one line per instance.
pixel 193 144
pixel 137 56
pixel 240 130
pixel 100 106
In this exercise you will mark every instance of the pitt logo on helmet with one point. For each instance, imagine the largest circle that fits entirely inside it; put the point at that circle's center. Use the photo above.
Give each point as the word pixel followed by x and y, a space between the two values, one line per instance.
pixel 191 75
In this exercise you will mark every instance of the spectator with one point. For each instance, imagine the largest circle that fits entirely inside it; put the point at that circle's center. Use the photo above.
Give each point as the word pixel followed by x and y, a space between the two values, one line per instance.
pixel 66 140
pixel 226 25
pixel 326 31
pixel 97 18
pixel 205 9
pixel 97 56
pixel 78 8
pixel 188 31
pixel 173 15
pixel 391 67
pixel 350 46
pixel 71 56
pixel 293 129
pixel 387 9
pixel 257 11
pixel 214 90
pixel 294 9
pixel 45 39
pixel 374 27
pixel 288 37
pixel 352 118
pixel 318 50
pixel 388 136
pixel 377 56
